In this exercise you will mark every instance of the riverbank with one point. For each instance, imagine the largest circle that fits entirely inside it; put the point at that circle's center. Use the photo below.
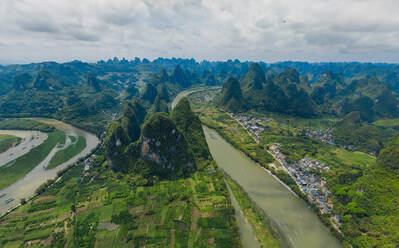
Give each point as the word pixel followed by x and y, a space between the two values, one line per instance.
pixel 266 231
pixel 280 175
pixel 301 227
pixel 25 187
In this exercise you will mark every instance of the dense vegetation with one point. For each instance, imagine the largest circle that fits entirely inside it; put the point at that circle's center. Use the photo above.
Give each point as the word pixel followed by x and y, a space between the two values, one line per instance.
pixel 131 205
pixel 290 93
pixel 100 208
pixel 369 205
pixel 163 145
pixel 190 124
pixel 363 189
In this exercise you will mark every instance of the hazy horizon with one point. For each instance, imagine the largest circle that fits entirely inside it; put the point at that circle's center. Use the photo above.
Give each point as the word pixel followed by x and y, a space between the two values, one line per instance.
pixel 270 31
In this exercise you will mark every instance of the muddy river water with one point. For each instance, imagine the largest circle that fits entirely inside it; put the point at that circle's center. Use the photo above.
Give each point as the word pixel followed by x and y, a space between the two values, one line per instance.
pixel 26 186
pixel 299 224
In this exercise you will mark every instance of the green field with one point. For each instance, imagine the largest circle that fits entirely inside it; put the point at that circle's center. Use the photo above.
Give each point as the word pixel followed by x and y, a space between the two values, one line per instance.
pixel 22 165
pixel 387 123
pixel 25 124
pixel 64 155
pixel 8 141
pixel 115 210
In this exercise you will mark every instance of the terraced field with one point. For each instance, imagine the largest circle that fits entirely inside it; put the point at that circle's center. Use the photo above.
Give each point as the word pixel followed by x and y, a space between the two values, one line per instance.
pixel 101 208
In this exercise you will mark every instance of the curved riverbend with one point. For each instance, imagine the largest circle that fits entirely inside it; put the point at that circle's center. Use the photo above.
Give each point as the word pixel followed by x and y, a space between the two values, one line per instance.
pixel 298 223
pixel 26 186
pixel 30 139
pixel 185 93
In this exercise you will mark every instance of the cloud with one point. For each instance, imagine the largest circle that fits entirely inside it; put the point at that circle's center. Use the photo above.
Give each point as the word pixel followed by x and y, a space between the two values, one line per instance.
pixel 268 30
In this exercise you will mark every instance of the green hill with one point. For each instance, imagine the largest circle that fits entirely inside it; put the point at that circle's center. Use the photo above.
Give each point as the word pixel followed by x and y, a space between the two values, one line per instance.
pixel 190 124
pixel 371 216
pixel 232 98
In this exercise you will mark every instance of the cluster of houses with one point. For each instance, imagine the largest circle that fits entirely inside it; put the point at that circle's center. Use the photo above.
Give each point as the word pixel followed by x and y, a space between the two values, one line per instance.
pixel 251 124
pixel 304 174
pixel 326 136
pixel 88 162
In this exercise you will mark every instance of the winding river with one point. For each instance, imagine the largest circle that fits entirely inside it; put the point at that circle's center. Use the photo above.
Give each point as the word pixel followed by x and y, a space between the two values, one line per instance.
pixel 26 186
pixel 298 223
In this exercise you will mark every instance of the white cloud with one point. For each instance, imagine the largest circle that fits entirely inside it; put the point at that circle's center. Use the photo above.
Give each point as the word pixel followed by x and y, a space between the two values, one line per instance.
pixel 268 30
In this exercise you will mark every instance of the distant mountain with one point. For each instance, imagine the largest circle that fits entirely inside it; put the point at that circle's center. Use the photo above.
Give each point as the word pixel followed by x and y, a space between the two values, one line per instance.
pixel 254 78
pixel 92 82
pixel 45 80
pixel 231 96
pixel 284 92
pixel 150 93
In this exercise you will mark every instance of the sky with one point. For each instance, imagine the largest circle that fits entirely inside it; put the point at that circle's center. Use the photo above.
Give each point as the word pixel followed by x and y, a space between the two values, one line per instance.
pixel 261 30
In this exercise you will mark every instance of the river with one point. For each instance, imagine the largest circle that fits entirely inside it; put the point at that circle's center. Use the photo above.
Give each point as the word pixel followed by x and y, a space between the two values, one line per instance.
pixel 185 93
pixel 30 139
pixel 26 186
pixel 298 223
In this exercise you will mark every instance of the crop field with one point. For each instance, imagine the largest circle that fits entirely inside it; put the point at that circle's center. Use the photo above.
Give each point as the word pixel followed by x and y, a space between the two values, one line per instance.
pixel 8 141
pixel 101 208
pixel 66 154
pixel 22 165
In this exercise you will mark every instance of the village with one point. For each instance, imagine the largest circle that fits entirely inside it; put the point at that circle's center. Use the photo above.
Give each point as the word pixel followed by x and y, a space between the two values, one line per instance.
pixel 325 136
pixel 304 172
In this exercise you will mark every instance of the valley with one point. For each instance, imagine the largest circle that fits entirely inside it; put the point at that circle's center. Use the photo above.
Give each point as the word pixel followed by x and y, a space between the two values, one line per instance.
pixel 238 155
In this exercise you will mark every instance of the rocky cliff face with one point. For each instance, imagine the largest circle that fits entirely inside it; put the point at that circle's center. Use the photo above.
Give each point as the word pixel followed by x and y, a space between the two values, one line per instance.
pixel 163 144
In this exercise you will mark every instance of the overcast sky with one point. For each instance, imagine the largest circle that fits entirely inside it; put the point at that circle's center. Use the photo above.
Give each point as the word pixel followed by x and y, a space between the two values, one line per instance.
pixel 258 30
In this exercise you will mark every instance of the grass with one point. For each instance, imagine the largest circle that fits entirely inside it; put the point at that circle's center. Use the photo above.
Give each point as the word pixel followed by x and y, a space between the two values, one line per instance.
pixel 144 213
pixel 338 157
pixel 25 124
pixel 387 123
pixel 66 154
pixel 8 141
pixel 25 163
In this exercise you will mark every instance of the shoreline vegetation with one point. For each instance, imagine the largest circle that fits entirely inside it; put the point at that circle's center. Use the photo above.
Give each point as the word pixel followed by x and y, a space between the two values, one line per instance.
pixel 67 153
pixel 260 156
pixel 266 231
pixel 283 179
